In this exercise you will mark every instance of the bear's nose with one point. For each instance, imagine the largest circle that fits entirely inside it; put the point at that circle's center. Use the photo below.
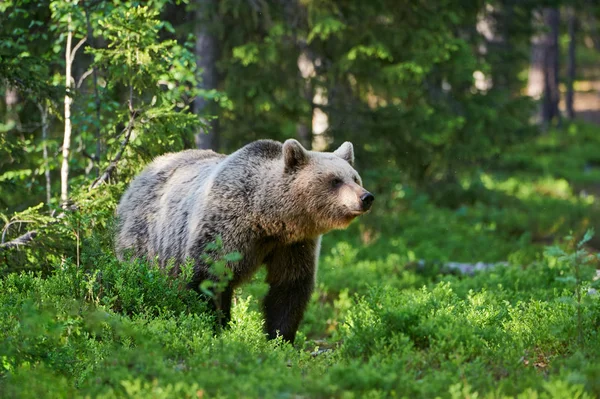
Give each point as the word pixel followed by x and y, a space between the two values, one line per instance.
pixel 367 200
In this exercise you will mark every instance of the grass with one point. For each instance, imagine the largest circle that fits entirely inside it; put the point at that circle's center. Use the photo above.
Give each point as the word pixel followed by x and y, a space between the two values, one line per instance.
pixel 386 319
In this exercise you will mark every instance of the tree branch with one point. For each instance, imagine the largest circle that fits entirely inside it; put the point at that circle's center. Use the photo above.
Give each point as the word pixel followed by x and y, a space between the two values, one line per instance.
pixel 21 240
pixel 74 51
pixel 85 75
pixel 5 230
pixel 113 164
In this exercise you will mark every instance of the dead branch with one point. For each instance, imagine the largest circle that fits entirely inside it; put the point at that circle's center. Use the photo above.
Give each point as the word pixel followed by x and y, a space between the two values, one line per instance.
pixel 468 269
pixel 19 241
pixel 5 229
pixel 471 268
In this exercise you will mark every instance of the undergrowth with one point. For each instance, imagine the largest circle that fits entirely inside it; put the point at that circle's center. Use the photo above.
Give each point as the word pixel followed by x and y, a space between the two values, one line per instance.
pixel 387 318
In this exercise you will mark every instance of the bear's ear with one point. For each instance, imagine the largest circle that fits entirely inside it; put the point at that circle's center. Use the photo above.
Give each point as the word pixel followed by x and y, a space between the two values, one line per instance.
pixel 294 155
pixel 346 152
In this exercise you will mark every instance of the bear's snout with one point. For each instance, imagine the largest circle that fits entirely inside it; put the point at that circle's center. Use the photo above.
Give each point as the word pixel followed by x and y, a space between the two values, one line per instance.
pixel 367 200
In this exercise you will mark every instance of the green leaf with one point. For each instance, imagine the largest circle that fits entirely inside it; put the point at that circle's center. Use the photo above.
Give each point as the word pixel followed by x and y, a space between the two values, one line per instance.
pixel 554 252
pixel 325 28
pixel 233 257
pixel 589 234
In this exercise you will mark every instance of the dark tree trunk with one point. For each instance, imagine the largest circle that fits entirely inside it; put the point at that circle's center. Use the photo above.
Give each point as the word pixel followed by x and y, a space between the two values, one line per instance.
pixel 572 24
pixel 97 136
pixel 543 73
pixel 206 58
pixel 592 23
pixel 551 91
pixel 295 17
pixel 11 99
pixel 45 126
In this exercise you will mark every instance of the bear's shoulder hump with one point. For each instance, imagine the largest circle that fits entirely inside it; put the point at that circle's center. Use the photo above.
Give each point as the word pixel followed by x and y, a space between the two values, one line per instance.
pixel 267 149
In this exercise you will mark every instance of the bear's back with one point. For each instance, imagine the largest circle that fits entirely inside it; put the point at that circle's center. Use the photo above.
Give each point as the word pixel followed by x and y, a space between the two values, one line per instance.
pixel 176 193
pixel 151 208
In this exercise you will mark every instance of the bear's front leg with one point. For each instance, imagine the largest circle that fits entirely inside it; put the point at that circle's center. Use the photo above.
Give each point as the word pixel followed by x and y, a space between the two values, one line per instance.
pixel 291 276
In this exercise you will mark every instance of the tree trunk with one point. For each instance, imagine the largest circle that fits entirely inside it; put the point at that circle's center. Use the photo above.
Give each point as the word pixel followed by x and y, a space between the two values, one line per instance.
pixel 492 25
pixel 306 72
pixel 45 124
pixel 535 83
pixel 543 73
pixel 572 24
pixel 592 24
pixel 295 16
pixel 321 120
pixel 66 148
pixel 64 170
pixel 551 92
pixel 206 58
pixel 97 137
pixel 11 99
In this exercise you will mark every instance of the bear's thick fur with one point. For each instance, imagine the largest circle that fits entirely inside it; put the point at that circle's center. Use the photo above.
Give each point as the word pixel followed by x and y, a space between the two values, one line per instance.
pixel 269 201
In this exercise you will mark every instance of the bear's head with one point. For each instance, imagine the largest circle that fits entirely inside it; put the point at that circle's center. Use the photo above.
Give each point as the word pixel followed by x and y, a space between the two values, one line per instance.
pixel 326 187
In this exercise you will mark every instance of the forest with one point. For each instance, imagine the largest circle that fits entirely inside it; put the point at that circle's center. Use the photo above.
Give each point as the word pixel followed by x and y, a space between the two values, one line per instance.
pixel 476 125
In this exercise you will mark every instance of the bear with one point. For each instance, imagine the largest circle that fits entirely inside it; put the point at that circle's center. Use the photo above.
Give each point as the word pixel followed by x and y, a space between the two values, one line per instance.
pixel 268 201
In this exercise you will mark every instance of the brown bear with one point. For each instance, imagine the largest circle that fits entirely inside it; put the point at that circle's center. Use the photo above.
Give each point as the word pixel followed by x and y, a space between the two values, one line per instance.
pixel 270 202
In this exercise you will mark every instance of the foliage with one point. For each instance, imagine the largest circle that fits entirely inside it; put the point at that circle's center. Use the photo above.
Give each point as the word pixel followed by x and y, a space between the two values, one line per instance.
pixel 221 267
pixel 139 61
pixel 397 78
pixel 23 49
pixel 458 172
pixel 158 75
pixel 380 323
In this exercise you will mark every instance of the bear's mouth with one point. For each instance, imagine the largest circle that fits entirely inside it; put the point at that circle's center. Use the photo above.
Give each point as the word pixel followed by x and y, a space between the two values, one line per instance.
pixel 356 213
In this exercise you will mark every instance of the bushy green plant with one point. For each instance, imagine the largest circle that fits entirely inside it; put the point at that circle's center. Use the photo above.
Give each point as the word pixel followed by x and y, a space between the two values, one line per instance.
pixel 159 77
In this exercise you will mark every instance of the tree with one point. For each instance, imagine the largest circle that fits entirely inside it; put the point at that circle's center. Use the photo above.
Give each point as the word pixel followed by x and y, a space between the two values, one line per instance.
pixel 97 101
pixel 26 68
pixel 138 63
pixel 571 63
pixel 207 55
pixel 544 71
pixel 66 147
pixel 44 113
pixel 505 29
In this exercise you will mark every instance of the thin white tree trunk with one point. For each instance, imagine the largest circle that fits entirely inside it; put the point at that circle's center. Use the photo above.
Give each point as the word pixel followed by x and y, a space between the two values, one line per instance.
pixel 66 148
pixel 306 70
pixel 64 170
pixel 535 83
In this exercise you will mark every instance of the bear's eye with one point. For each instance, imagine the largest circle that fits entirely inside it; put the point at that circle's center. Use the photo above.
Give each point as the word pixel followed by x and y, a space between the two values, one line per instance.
pixel 356 180
pixel 336 182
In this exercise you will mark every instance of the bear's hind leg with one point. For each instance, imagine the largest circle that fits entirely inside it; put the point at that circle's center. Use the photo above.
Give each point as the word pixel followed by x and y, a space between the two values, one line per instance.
pixel 223 306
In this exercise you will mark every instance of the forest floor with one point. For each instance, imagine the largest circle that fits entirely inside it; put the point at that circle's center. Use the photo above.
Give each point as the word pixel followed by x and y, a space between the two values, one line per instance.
pixel 586 102
pixel 387 319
